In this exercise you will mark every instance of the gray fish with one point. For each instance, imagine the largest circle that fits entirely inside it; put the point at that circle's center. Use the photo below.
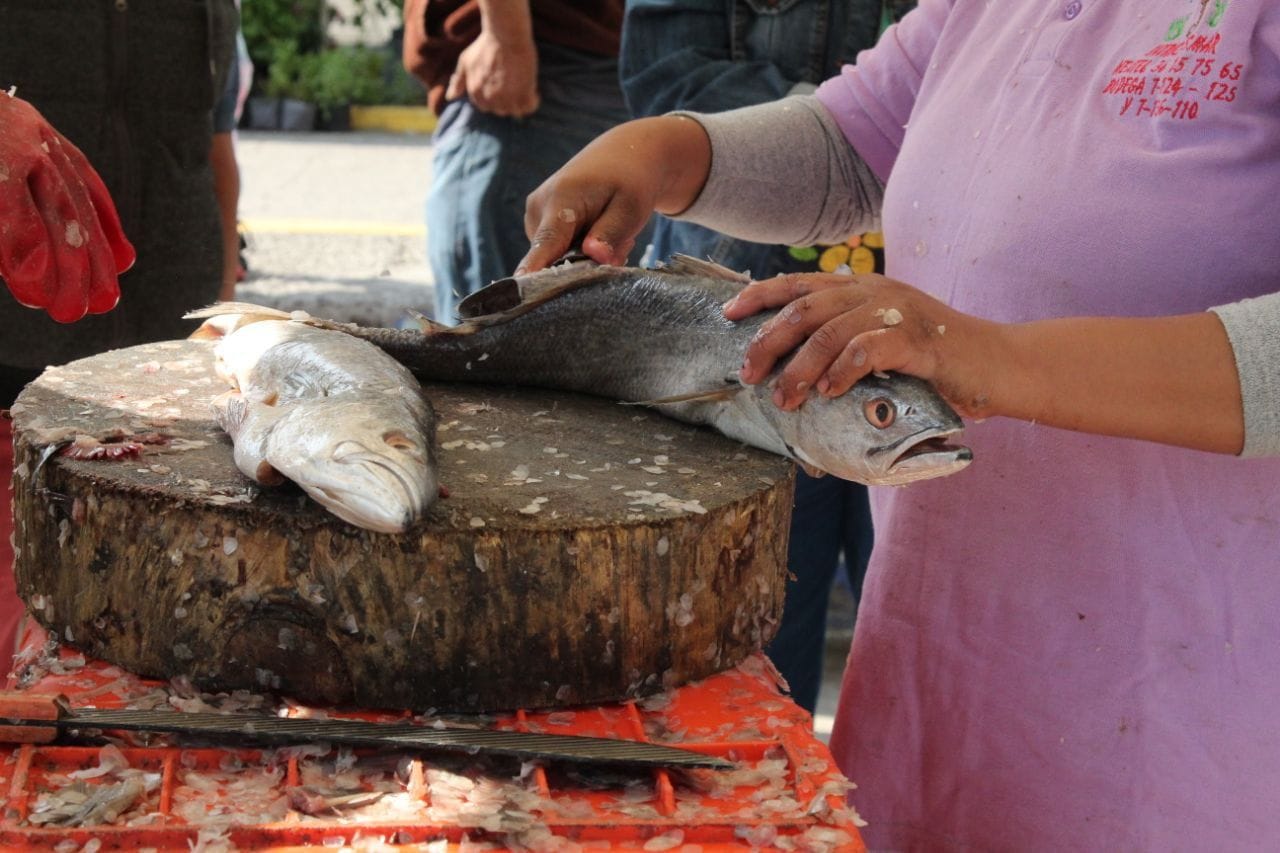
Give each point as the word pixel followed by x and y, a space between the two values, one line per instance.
pixel 660 338
pixel 328 411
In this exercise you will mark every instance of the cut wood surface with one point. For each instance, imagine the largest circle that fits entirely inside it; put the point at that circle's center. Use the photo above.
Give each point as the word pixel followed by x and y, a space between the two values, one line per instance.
pixel 586 552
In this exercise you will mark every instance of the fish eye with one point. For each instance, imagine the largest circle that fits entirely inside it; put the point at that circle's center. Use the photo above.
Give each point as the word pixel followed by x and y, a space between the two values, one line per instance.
pixel 880 412
pixel 399 441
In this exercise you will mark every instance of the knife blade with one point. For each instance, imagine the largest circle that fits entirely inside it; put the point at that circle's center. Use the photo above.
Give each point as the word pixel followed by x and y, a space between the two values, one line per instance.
pixel 39 719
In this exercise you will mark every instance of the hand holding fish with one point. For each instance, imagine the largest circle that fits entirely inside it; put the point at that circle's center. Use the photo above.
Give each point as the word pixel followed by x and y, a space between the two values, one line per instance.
pixel 603 196
pixel 1165 379
pixel 848 327
pixel 61 244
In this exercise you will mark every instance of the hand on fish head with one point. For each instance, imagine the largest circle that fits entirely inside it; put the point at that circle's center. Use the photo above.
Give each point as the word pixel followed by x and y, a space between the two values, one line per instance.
pixel 884 346
pixel 364 461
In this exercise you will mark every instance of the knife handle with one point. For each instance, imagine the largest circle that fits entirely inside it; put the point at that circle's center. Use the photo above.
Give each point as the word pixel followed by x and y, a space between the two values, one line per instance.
pixel 20 713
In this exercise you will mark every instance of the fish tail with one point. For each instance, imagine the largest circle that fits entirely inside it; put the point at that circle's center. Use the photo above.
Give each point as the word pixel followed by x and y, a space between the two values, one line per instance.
pixel 218 309
pixel 216 328
pixel 425 324
pixel 223 318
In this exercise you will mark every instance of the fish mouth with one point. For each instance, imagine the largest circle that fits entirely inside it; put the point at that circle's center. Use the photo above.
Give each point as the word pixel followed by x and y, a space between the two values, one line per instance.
pixel 924 455
pixel 373 493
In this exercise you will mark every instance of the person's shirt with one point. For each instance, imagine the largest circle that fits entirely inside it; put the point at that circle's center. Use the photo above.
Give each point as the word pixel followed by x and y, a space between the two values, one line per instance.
pixel 437 31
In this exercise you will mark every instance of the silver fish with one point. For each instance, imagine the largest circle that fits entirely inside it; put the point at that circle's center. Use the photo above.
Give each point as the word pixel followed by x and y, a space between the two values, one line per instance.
pixel 660 338
pixel 328 411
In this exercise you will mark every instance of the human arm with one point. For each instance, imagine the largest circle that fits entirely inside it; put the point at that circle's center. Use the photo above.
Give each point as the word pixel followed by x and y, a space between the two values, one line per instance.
pixel 61 244
pixel 498 71
pixel 1253 328
pixel 226 187
pixel 1171 380
pixel 776 172
pixel 676 56
pixel 605 194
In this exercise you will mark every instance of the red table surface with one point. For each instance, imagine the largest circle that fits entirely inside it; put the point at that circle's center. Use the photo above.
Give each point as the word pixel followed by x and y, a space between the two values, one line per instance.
pixel 786 794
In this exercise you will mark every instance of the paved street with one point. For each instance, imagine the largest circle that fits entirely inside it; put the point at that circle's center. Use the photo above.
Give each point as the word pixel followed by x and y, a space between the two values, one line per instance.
pixel 334 223
pixel 335 227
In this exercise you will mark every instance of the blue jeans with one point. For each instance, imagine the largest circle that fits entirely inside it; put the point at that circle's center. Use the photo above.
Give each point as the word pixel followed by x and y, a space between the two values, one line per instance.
pixel 486 165
pixel 831 519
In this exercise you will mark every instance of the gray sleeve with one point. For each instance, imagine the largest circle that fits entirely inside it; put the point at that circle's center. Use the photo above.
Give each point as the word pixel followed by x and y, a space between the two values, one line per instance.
pixel 782 172
pixel 1253 327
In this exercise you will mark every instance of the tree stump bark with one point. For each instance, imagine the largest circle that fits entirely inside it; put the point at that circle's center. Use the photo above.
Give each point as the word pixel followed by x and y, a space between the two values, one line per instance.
pixel 587 552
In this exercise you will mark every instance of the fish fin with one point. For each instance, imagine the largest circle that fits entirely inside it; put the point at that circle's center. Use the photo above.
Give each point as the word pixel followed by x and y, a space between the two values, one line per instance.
pixel 214 329
pixel 719 394
pixel 805 465
pixel 425 324
pixel 229 410
pixel 811 470
pixel 267 475
pixel 223 318
pixel 687 265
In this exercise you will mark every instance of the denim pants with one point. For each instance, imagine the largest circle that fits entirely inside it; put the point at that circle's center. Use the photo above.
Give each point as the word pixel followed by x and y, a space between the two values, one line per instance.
pixel 486 165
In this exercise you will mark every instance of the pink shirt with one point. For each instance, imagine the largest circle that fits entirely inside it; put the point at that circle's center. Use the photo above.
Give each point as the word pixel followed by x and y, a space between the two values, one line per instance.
pixel 1075 643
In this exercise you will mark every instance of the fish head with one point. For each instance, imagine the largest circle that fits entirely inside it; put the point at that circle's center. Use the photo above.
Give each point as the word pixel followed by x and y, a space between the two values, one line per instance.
pixel 369 463
pixel 886 430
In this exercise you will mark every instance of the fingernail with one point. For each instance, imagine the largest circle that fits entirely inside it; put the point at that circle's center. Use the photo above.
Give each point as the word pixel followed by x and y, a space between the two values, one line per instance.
pixel 731 303
pixel 778 397
pixel 823 386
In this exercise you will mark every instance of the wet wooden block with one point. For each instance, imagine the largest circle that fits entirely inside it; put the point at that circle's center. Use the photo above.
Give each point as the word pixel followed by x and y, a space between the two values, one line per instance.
pixel 587 551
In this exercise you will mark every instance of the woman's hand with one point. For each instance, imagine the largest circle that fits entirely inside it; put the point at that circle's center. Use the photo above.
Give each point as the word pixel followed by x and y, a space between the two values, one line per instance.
pixel 846 327
pixel 1166 379
pixel 605 194
pixel 61 244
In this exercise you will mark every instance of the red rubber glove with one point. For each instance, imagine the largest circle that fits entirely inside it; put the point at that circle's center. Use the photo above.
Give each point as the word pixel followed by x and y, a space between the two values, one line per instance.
pixel 61 244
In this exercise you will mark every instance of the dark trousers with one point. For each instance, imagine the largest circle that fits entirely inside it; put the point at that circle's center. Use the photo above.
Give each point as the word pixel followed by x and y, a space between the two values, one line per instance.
pixel 831 520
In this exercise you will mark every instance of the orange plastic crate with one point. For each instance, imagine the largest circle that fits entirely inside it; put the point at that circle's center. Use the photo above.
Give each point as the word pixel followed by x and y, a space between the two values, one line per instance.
pixel 786 795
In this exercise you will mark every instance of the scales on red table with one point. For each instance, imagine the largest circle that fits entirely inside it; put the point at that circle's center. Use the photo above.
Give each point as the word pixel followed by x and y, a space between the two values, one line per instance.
pixel 132 791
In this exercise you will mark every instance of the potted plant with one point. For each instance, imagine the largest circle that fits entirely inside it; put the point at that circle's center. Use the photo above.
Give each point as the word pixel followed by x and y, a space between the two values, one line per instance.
pixel 287 101
pixel 292 78
pixel 284 29
pixel 342 77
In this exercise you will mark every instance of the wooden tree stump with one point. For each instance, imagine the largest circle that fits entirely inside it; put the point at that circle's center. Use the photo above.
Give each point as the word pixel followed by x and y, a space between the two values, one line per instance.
pixel 587 551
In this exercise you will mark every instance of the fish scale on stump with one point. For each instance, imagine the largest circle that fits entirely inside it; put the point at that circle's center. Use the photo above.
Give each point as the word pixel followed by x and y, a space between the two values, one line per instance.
pixel 525 587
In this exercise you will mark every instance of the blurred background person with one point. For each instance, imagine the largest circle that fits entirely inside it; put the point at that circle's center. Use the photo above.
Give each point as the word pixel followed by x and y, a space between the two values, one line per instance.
pixel 520 86
pixel 226 171
pixel 133 86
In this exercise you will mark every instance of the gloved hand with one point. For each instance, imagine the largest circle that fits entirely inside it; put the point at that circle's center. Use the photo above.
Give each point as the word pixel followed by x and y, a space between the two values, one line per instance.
pixel 61 244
